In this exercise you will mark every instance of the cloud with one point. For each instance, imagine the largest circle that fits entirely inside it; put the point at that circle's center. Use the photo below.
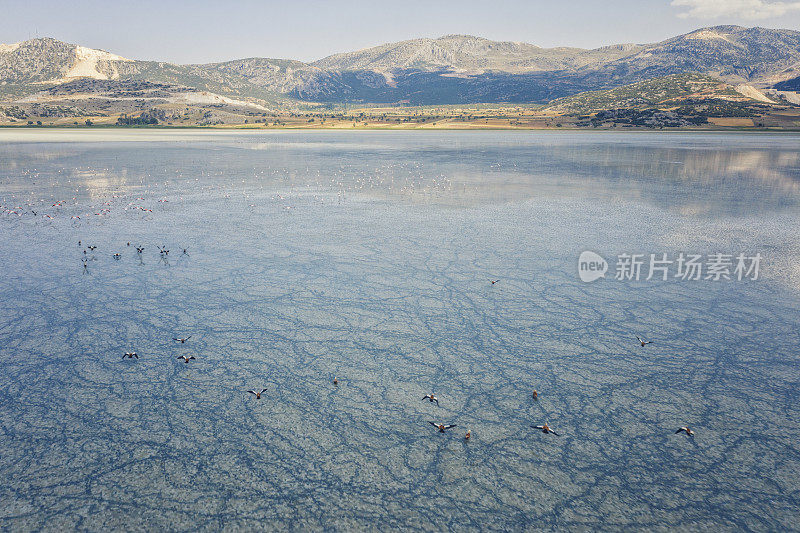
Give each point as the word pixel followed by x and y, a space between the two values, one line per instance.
pixel 745 9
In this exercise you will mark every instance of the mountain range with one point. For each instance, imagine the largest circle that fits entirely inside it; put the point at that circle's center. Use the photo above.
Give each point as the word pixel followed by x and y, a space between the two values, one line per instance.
pixel 454 69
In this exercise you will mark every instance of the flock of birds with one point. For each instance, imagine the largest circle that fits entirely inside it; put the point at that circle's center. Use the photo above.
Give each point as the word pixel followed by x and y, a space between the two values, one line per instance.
pixel 431 398
pixel 65 206
pixel 88 254
pixel 404 179
pixel 544 428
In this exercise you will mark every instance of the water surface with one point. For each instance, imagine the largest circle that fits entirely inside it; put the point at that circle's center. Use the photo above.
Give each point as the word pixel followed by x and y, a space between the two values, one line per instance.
pixel 368 256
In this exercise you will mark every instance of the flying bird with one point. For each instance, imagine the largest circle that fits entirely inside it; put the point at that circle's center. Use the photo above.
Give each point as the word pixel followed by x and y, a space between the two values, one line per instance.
pixel 442 427
pixel 181 340
pixel 130 355
pixel 643 342
pixel 431 398
pixel 546 429
pixel 494 281
pixel 258 394
pixel 688 431
pixel 185 359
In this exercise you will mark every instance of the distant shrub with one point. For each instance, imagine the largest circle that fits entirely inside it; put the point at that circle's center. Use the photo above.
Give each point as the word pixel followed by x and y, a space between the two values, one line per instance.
pixel 148 118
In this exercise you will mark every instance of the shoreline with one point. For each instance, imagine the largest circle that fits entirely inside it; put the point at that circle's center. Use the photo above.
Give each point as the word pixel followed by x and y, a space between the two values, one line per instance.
pixel 240 128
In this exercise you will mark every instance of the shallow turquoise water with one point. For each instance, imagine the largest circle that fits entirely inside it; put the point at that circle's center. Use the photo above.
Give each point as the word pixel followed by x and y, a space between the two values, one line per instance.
pixel 367 256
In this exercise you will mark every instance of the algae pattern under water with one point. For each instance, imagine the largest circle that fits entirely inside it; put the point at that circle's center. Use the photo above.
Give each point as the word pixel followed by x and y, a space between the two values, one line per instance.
pixel 300 258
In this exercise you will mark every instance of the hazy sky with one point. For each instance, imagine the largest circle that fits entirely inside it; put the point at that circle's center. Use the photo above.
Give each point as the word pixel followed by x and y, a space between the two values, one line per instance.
pixel 185 31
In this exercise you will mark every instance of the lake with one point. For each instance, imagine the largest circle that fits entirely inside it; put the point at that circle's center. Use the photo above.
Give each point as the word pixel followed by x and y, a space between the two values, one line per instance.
pixel 368 256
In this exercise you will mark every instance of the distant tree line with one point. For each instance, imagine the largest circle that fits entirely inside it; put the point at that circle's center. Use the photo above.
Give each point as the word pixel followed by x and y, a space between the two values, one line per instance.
pixel 148 118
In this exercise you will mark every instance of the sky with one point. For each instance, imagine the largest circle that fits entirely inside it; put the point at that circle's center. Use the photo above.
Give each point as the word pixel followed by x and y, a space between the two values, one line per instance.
pixel 200 31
